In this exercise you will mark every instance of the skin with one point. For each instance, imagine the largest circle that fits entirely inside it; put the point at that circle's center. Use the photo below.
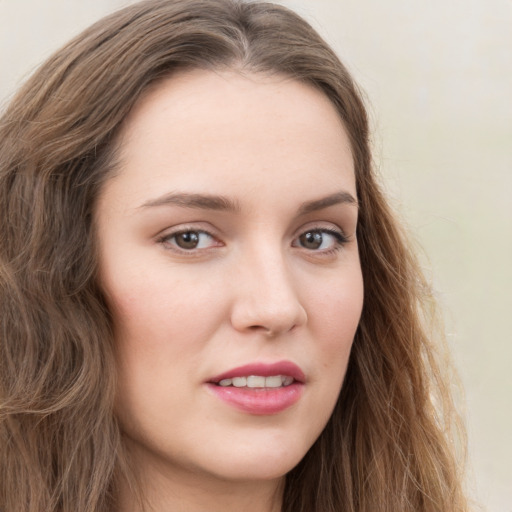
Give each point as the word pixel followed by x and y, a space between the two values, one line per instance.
pixel 254 289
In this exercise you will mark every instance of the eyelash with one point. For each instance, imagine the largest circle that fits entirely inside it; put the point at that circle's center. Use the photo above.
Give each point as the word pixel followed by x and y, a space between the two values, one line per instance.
pixel 340 239
pixel 166 239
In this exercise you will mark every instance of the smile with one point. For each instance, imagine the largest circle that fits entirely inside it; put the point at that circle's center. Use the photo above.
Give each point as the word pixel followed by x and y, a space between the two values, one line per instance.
pixel 258 381
pixel 260 388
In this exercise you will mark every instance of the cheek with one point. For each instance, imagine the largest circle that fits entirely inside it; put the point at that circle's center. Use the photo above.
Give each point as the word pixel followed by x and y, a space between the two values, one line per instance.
pixel 154 307
pixel 157 338
pixel 334 318
pixel 161 321
pixel 335 308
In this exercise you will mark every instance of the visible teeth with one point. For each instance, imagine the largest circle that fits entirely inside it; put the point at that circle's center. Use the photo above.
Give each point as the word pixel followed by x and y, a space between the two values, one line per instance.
pixel 287 381
pixel 239 382
pixel 276 381
pixel 257 381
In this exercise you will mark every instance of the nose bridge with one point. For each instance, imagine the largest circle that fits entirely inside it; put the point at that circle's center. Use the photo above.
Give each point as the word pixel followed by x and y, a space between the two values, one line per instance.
pixel 271 274
pixel 266 297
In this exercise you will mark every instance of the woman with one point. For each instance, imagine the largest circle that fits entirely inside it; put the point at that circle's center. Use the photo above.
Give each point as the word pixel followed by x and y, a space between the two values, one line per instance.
pixel 183 321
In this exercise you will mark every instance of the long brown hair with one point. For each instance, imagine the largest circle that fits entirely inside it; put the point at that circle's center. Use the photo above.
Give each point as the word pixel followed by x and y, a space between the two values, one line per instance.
pixel 387 447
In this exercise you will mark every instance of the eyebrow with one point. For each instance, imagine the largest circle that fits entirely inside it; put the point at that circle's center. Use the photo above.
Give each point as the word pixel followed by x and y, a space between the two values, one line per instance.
pixel 197 201
pixel 331 200
pixel 222 203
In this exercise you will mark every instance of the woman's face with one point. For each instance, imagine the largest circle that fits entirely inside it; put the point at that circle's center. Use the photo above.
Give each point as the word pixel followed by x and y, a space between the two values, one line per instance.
pixel 229 259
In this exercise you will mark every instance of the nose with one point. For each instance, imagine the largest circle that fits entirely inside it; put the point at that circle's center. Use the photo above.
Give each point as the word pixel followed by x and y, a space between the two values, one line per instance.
pixel 266 298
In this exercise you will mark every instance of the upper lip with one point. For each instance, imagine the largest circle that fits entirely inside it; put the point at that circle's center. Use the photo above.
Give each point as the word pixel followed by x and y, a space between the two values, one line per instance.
pixel 286 368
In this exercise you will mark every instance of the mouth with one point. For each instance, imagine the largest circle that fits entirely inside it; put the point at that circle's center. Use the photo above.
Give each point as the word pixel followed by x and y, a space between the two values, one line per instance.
pixel 259 375
pixel 258 381
pixel 260 389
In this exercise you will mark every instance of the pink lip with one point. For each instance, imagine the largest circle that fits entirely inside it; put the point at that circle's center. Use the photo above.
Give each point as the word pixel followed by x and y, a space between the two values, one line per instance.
pixel 260 401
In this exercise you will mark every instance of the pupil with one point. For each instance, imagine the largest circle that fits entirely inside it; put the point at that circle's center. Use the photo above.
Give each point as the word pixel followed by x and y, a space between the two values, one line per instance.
pixel 311 240
pixel 188 240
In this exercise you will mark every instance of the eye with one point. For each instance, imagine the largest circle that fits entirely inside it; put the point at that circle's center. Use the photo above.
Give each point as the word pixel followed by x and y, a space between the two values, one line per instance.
pixel 320 240
pixel 189 240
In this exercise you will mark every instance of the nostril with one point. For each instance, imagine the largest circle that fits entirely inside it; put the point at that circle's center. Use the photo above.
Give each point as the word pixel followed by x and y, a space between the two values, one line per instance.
pixel 266 330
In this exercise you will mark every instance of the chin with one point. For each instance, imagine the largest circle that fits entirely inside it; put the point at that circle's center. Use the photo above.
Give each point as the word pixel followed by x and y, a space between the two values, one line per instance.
pixel 254 462
pixel 255 470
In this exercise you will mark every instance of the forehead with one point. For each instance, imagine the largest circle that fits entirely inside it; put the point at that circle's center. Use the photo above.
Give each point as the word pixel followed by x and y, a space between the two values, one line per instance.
pixel 214 129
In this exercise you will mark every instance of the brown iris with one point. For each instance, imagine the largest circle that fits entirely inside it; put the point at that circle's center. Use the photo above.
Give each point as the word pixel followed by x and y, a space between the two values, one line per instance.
pixel 311 239
pixel 187 239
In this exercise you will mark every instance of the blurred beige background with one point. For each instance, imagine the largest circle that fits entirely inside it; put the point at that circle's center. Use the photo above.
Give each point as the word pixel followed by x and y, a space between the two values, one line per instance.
pixel 438 76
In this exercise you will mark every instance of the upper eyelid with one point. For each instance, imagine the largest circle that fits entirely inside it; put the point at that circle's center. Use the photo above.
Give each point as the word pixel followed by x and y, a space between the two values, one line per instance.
pixel 326 226
pixel 166 235
pixel 338 234
pixel 183 228
pixel 165 240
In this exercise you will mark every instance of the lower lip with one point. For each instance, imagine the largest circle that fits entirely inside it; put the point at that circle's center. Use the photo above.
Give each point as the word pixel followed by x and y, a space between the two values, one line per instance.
pixel 259 401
